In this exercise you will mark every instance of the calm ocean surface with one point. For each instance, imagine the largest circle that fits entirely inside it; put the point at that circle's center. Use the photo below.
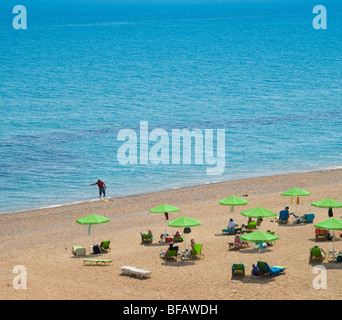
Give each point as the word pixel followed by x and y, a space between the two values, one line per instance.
pixel 82 71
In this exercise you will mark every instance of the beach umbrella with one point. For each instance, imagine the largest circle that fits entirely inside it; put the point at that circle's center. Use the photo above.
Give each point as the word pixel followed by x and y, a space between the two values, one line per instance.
pixel 258 212
pixel 259 237
pixel 92 219
pixel 166 209
pixel 330 224
pixel 232 202
pixel 327 203
pixel 296 192
pixel 184 222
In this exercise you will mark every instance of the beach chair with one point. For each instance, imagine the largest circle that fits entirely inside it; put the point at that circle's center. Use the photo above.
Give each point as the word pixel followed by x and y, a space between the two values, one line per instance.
pixel 96 249
pixel 105 246
pixel 283 217
pixel 238 243
pixel 252 226
pixel 139 273
pixel 97 262
pixel 238 268
pixel 197 251
pixel 231 231
pixel 146 238
pixel 170 254
pixel 321 233
pixel 78 251
pixel 265 269
pixel 176 240
pixel 317 253
pixel 271 243
pixel 309 218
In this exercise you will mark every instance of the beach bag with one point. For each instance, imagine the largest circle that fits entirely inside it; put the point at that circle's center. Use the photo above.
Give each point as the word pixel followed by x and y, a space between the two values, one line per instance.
pixel 187 230
pixel 96 249
pixel 339 258
pixel 255 271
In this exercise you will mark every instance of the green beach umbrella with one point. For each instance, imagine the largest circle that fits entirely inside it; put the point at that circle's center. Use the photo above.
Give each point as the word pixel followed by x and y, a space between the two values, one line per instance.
pixel 184 222
pixel 327 203
pixel 92 219
pixel 166 209
pixel 259 237
pixel 232 202
pixel 258 212
pixel 330 224
pixel 296 192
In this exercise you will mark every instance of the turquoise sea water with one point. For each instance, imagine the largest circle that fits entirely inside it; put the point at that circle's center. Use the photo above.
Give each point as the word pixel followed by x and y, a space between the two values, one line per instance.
pixel 84 70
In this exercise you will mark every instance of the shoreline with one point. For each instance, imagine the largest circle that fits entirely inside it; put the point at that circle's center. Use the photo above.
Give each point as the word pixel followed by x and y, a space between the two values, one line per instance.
pixel 41 241
pixel 110 198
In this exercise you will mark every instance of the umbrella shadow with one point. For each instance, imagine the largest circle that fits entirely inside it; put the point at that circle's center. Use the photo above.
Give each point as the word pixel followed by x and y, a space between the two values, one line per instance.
pixel 252 250
pixel 223 235
pixel 132 276
pixel 253 279
pixel 290 224
pixel 327 265
pixel 321 240
pixel 174 263
pixel 158 244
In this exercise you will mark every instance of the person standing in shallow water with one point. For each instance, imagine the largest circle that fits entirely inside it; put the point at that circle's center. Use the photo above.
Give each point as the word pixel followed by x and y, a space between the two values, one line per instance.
pixel 102 187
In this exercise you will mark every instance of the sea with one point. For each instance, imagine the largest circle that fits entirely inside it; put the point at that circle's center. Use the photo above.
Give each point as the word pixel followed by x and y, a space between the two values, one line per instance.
pixel 80 79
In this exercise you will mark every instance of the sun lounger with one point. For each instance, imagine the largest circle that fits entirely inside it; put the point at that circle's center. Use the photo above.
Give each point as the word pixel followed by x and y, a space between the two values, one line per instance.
pixel 238 243
pixel 252 226
pixel 175 240
pixel 309 218
pixel 265 269
pixel 97 262
pixel 139 273
pixel 146 238
pixel 170 254
pixel 321 233
pixel 231 231
pixel 78 251
pixel 317 253
pixel 197 251
pixel 105 246
pixel 238 268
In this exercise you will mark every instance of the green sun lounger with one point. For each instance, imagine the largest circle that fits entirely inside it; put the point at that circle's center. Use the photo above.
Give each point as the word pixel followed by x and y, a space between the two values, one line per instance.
pixel 317 253
pixel 197 251
pixel 97 262
pixel 238 268
pixel 265 269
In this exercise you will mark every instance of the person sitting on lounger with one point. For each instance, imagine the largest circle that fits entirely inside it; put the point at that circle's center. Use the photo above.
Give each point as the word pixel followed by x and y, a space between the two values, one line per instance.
pixel 322 252
pixel 177 235
pixel 284 214
pixel 231 224
pixel 149 232
pixel 171 248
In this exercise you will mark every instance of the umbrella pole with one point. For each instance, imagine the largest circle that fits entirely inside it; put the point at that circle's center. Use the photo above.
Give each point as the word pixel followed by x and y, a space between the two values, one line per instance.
pixel 334 240
pixel 184 241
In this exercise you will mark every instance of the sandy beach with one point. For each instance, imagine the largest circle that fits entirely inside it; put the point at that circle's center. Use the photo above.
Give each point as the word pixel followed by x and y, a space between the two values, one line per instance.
pixel 41 241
